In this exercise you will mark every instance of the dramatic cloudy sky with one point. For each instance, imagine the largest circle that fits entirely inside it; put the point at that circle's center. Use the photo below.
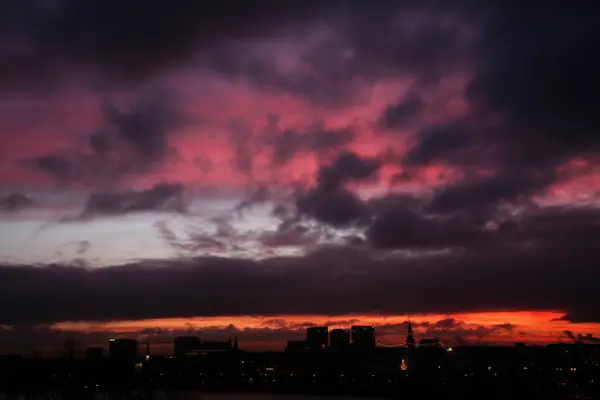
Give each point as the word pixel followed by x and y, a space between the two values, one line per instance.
pixel 251 168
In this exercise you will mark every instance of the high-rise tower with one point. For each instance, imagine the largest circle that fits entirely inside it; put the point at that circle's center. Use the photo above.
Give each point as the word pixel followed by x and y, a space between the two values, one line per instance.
pixel 317 338
pixel 363 337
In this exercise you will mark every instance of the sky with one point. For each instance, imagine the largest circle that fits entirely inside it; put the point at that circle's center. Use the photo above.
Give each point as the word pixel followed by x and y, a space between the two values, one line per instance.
pixel 248 169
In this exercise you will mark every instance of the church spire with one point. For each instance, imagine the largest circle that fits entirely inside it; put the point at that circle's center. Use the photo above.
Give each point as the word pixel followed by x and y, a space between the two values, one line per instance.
pixel 410 339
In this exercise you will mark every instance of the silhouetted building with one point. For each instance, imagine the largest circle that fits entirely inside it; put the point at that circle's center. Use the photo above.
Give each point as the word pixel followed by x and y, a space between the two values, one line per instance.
pixel 430 342
pixel 206 347
pixel 317 338
pixel 94 353
pixel 410 339
pixel 10 360
pixel 296 346
pixel 123 349
pixel 339 339
pixel 363 337
pixel 430 370
pixel 407 363
pixel 184 346
pixel 70 347
pixel 430 354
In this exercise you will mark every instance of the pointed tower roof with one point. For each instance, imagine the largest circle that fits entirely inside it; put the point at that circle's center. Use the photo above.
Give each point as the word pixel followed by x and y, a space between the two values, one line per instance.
pixel 410 339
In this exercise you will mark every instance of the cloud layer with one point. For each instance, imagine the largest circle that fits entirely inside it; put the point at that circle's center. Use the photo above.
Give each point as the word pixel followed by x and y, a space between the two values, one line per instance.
pixel 326 157
pixel 328 282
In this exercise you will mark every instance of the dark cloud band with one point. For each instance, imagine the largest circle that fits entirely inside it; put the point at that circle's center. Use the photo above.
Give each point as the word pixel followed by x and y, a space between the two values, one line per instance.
pixel 337 281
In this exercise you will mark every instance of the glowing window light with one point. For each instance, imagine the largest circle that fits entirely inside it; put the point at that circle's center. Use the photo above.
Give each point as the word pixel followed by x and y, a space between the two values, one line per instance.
pixel 403 365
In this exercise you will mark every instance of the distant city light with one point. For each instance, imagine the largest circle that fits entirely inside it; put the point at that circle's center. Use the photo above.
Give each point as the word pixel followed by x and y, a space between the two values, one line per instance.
pixel 403 365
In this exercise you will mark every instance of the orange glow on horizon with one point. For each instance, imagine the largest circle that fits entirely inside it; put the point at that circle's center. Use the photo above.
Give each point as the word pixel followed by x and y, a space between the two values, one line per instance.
pixel 533 327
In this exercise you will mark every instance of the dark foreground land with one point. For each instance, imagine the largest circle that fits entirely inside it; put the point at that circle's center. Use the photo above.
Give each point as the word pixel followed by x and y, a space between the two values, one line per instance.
pixel 124 386
pixel 407 391
pixel 487 373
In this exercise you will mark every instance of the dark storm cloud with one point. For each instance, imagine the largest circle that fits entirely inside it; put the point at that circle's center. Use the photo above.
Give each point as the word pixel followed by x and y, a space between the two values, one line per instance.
pixel 347 167
pixel 282 145
pixel 402 113
pixel 425 40
pixel 583 315
pixel 515 137
pixel 160 197
pixel 555 227
pixel 192 243
pixel 473 148
pixel 99 142
pixel 324 140
pixel 317 140
pixel 407 224
pixel 328 282
pixel 533 107
pixel 126 41
pixel 446 323
pixel 290 233
pixel 329 201
pixel 154 198
pixel 258 195
pixel 60 167
pixel 245 148
pixel 145 127
pixel 579 337
pixel 540 70
pixel 110 42
pixel 329 81
pixel 484 194
pixel 403 228
pixel 465 215
pixel 428 39
pixel 451 142
pixel 132 141
pixel 13 202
